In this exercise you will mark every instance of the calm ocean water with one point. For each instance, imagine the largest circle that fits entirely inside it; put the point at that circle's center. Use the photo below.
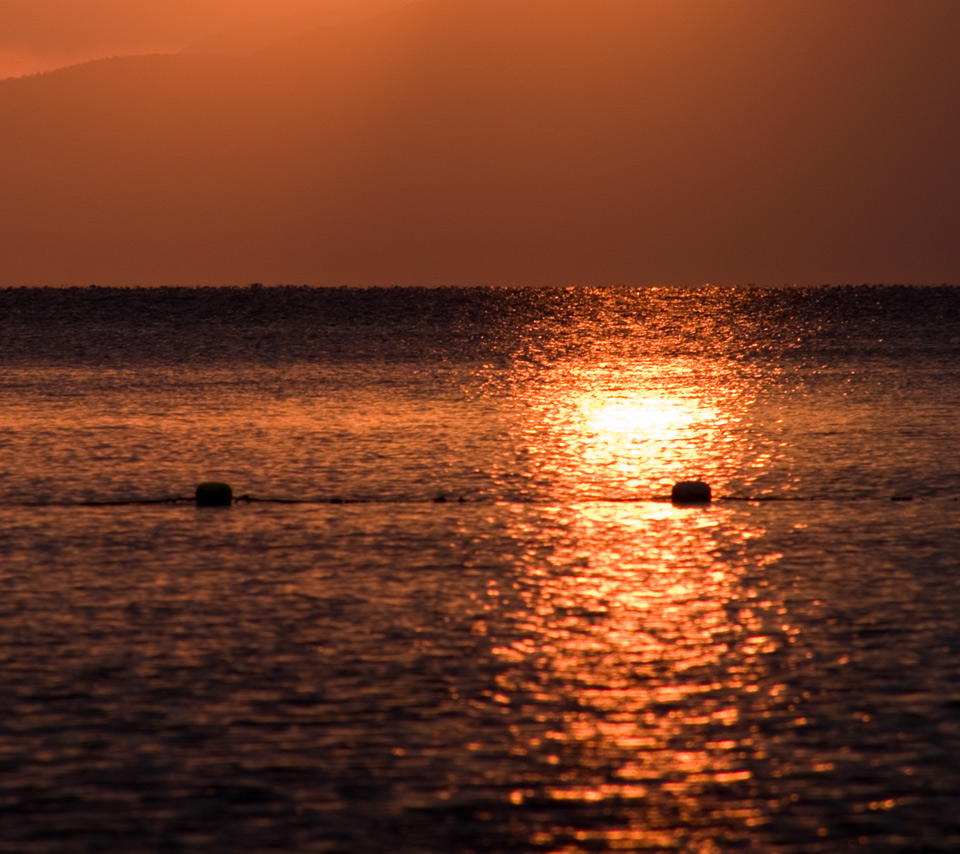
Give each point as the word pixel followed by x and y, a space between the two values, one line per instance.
pixel 552 658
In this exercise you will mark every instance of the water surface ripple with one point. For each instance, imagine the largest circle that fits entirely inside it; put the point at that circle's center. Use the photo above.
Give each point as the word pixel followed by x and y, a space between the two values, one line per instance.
pixel 556 663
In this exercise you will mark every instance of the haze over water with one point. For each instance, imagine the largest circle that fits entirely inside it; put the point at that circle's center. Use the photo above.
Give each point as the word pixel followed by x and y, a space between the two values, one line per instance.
pixel 563 661
pixel 479 142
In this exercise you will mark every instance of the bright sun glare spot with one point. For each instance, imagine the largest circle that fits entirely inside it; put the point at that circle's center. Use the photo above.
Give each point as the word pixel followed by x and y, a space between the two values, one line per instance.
pixel 648 415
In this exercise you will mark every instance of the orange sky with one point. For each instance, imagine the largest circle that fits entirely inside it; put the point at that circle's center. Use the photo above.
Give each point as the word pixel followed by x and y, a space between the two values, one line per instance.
pixel 40 35
pixel 491 142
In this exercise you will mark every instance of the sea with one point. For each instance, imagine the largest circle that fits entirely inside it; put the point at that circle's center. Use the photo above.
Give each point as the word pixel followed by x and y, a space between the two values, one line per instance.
pixel 452 608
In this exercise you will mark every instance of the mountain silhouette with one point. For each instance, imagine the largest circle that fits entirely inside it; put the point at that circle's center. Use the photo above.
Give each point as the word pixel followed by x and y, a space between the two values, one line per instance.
pixel 495 142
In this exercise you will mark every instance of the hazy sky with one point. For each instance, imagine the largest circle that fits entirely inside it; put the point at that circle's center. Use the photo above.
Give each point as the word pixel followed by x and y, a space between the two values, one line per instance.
pixel 39 35
pixel 486 142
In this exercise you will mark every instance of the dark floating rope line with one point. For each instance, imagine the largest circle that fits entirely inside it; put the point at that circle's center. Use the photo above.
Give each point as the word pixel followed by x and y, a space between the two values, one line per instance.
pixel 130 502
pixel 685 493
pixel 440 499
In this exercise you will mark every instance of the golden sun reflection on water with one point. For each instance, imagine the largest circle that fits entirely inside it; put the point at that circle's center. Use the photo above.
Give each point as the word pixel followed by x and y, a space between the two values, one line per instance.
pixel 631 430
pixel 639 641
pixel 638 646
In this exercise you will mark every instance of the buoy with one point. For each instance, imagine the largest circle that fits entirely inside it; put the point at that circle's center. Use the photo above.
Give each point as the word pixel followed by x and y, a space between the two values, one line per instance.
pixel 691 492
pixel 213 494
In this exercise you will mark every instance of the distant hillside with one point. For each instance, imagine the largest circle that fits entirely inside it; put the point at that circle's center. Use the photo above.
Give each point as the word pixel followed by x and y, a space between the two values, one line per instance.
pixel 487 141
